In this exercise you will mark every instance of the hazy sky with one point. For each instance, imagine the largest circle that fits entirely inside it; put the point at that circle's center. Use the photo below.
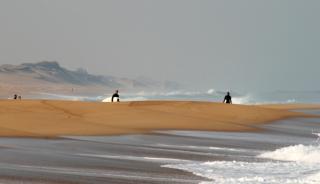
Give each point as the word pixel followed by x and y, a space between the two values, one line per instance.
pixel 244 45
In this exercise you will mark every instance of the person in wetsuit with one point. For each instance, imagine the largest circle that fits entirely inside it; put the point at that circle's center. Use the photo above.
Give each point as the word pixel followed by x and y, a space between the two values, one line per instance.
pixel 227 99
pixel 116 95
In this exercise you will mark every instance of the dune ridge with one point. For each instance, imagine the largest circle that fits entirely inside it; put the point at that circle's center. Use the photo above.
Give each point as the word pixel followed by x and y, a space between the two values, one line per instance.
pixel 52 118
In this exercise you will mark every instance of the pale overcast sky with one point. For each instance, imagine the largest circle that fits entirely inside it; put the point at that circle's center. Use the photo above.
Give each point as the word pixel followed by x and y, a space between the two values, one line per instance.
pixel 245 45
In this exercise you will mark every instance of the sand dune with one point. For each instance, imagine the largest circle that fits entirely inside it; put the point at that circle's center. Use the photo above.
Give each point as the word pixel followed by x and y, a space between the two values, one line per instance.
pixel 42 118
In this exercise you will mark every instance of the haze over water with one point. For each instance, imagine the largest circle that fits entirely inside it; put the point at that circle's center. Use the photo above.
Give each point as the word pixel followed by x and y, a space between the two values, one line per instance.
pixel 245 46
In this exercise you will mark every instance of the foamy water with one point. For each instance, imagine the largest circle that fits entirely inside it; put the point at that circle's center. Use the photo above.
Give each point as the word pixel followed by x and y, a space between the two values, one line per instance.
pixel 296 153
pixel 128 157
pixel 295 160
pixel 292 164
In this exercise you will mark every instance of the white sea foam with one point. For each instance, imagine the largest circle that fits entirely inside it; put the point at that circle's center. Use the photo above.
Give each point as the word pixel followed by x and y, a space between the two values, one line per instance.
pixel 232 172
pixel 227 149
pixel 128 99
pixel 192 147
pixel 242 100
pixel 297 153
pixel 164 159
pixel 316 134
pixel 128 157
pixel 297 164
pixel 211 91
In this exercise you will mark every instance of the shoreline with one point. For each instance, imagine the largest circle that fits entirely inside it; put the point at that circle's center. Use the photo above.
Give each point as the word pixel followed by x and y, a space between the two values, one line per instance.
pixel 53 118
pixel 139 158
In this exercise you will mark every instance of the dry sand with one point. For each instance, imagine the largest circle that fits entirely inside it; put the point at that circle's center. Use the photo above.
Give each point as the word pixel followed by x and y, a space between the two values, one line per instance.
pixel 44 118
pixel 292 106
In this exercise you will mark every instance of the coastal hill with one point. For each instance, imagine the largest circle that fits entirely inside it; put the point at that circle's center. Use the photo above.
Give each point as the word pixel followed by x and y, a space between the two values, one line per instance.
pixel 49 77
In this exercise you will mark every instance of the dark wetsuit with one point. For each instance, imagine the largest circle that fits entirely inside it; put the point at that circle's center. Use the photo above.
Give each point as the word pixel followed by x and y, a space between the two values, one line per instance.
pixel 116 95
pixel 227 99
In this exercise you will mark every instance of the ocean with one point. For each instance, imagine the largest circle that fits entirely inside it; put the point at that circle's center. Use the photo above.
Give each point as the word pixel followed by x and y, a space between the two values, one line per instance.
pixel 274 97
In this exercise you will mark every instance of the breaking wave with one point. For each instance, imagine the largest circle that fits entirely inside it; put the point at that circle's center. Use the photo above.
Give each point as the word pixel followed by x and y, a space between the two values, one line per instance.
pixel 298 164
pixel 297 153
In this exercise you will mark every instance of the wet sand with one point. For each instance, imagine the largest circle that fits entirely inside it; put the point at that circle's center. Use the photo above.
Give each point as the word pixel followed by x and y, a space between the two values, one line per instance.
pixel 148 141
pixel 92 160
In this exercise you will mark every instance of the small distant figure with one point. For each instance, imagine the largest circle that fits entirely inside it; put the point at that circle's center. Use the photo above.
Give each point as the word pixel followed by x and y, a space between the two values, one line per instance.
pixel 15 96
pixel 19 97
pixel 115 95
pixel 227 99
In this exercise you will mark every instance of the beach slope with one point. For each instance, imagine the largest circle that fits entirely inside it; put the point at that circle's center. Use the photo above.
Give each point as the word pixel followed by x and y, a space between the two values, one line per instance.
pixel 46 118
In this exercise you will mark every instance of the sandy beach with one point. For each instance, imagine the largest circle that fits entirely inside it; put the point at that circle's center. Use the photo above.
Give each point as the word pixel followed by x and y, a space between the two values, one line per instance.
pixel 46 118
pixel 139 142
pixel 161 157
